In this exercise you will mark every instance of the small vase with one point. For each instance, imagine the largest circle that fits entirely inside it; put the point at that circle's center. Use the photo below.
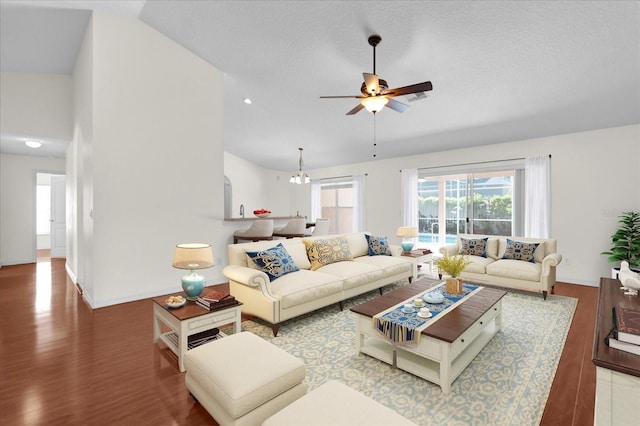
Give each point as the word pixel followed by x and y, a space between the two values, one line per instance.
pixel 193 285
pixel 453 285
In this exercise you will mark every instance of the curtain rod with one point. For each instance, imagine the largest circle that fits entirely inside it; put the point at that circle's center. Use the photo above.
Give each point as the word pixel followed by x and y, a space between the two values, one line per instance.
pixel 342 177
pixel 472 164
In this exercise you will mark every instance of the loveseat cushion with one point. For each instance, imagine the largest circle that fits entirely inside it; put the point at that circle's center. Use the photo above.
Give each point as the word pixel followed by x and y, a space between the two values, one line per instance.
pixel 353 274
pixel 324 251
pixel 274 261
pixel 378 246
pixel 478 264
pixel 304 286
pixel 520 250
pixel 516 269
pixel 473 246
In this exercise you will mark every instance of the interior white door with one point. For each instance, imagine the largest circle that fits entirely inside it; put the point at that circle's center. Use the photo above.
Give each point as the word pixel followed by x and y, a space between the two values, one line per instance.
pixel 58 217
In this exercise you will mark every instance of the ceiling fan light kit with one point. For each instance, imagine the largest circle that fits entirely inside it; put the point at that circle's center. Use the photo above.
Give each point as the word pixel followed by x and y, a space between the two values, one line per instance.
pixel 300 176
pixel 374 104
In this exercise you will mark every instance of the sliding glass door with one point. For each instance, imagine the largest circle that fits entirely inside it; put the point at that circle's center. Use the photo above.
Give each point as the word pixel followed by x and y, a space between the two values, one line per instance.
pixel 478 203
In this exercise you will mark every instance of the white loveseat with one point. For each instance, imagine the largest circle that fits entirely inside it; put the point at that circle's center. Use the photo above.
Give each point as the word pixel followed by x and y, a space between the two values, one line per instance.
pixel 306 290
pixel 538 275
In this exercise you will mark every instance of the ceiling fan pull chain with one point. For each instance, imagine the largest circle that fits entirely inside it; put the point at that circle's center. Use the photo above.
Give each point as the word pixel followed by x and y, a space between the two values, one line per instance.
pixel 374 135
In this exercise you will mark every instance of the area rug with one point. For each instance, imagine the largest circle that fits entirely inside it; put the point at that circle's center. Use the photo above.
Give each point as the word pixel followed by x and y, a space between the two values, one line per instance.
pixel 506 384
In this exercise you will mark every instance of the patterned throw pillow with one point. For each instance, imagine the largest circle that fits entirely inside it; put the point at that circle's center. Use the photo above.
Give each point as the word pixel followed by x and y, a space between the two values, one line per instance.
pixel 474 246
pixel 324 251
pixel 378 246
pixel 519 250
pixel 275 261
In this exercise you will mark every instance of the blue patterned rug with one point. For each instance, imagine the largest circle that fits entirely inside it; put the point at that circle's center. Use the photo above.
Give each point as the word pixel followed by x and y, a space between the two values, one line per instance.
pixel 506 384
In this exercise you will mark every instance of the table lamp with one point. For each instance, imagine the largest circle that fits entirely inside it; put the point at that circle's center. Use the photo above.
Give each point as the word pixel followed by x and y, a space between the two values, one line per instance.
pixel 193 256
pixel 408 233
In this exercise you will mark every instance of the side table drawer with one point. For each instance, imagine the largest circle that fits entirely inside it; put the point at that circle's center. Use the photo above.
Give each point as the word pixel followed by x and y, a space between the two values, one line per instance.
pixel 223 317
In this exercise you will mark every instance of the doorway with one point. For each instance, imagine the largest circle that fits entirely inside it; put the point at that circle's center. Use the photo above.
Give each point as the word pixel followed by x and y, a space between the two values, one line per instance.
pixel 50 216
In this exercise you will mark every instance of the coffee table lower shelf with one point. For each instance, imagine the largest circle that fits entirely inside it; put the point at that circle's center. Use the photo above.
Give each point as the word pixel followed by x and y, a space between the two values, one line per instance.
pixel 435 360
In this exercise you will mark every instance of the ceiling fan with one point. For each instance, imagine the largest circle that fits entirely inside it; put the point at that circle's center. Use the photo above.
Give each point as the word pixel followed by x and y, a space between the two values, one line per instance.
pixel 375 91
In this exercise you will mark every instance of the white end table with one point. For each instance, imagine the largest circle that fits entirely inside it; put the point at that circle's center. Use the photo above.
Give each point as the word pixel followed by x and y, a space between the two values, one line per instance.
pixel 419 257
pixel 188 320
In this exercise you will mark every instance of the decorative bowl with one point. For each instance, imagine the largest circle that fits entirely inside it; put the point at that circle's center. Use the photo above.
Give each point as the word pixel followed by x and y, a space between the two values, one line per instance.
pixel 175 301
pixel 433 297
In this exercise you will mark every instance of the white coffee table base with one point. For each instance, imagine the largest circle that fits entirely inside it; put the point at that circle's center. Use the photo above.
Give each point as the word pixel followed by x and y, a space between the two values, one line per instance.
pixel 435 360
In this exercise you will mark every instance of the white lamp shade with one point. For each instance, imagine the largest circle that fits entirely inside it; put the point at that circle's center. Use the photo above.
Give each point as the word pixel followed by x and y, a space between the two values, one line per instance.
pixel 193 256
pixel 407 232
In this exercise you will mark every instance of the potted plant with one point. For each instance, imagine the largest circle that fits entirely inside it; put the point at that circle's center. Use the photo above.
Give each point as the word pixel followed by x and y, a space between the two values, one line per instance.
pixel 453 266
pixel 626 240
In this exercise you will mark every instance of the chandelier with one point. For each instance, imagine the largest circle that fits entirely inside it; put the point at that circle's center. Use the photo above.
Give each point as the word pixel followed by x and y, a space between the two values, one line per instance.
pixel 300 176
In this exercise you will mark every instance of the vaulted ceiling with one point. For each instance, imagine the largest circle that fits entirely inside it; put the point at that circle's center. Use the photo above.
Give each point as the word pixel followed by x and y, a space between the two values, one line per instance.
pixel 501 71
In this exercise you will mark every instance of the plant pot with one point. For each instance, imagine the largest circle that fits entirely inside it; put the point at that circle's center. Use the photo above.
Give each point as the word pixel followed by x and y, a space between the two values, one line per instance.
pixel 453 285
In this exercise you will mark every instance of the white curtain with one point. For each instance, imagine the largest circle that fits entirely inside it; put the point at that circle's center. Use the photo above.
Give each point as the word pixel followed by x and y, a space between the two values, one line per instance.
pixel 409 197
pixel 537 209
pixel 359 204
pixel 316 202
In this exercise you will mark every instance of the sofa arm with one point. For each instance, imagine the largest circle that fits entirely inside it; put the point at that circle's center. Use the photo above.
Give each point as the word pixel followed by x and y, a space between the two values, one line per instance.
pixel 396 250
pixel 449 250
pixel 248 276
pixel 550 261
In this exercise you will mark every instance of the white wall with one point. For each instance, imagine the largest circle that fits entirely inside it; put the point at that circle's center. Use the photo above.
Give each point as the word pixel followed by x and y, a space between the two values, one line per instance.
pixel 17 205
pixel 592 172
pixel 151 151
pixel 36 105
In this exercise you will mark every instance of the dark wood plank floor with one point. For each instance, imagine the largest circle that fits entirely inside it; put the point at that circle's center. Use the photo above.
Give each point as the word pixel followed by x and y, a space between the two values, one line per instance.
pixel 65 364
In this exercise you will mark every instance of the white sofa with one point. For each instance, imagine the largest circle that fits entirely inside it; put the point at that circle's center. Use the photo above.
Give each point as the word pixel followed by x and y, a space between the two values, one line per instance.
pixel 306 290
pixel 538 275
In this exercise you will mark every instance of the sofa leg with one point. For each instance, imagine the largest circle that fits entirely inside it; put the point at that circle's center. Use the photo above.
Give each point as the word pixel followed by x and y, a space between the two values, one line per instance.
pixel 380 290
pixel 274 329
pixel 544 294
pixel 410 278
pixel 193 396
pixel 553 289
pixel 342 305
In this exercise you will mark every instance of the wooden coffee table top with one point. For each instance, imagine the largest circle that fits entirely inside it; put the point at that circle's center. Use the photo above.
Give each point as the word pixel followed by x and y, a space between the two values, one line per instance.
pixel 448 328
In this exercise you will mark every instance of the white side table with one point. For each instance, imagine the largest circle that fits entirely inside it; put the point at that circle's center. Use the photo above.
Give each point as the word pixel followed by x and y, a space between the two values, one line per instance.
pixel 189 320
pixel 419 257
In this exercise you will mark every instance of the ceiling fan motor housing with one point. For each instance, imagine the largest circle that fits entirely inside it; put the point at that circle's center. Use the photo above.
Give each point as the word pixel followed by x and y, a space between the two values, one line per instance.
pixel 382 85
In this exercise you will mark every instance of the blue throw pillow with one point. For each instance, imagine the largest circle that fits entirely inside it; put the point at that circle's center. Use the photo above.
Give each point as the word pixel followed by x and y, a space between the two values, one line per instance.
pixel 519 250
pixel 378 246
pixel 275 261
pixel 474 246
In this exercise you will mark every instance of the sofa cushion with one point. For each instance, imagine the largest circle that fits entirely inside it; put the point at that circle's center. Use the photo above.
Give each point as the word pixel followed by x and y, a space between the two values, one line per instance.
pixel 474 246
pixel 353 274
pixel 538 255
pixel 520 250
pixel 325 251
pixel 516 269
pixel 390 265
pixel 478 264
pixel 378 245
pixel 274 261
pixel 304 286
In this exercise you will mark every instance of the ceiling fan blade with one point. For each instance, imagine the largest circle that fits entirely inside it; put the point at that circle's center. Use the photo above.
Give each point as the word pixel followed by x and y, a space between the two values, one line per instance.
pixel 406 90
pixel 372 83
pixel 396 105
pixel 356 109
pixel 343 97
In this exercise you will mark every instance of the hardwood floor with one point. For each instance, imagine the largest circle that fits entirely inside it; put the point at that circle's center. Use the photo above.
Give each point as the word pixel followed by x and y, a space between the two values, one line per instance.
pixel 65 364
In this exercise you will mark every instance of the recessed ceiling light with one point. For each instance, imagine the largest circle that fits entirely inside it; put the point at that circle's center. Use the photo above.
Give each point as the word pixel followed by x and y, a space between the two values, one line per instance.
pixel 33 144
pixel 247 101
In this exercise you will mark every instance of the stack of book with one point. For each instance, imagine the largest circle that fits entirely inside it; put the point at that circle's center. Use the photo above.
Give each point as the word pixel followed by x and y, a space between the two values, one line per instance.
pixel 215 299
pixel 625 335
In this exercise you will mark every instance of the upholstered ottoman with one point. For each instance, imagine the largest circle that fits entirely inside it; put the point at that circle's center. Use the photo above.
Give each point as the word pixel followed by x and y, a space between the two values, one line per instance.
pixel 336 404
pixel 242 379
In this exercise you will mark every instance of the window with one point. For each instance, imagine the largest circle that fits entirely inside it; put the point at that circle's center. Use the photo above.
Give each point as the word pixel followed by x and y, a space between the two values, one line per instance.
pixel 336 199
pixel 474 203
pixel 43 209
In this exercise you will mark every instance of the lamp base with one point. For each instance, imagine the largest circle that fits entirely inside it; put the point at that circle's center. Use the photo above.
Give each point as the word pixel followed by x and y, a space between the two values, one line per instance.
pixel 407 246
pixel 193 285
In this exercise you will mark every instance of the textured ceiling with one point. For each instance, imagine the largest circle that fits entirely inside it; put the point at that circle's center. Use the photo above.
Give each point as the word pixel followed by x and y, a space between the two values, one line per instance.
pixel 501 71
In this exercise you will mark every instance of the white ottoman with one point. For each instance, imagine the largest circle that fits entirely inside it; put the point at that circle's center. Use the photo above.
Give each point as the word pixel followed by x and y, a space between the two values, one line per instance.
pixel 336 404
pixel 242 379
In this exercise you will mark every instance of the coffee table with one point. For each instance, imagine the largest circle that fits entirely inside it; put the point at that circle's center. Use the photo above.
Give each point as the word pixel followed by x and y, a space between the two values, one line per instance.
pixel 446 347
pixel 189 320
